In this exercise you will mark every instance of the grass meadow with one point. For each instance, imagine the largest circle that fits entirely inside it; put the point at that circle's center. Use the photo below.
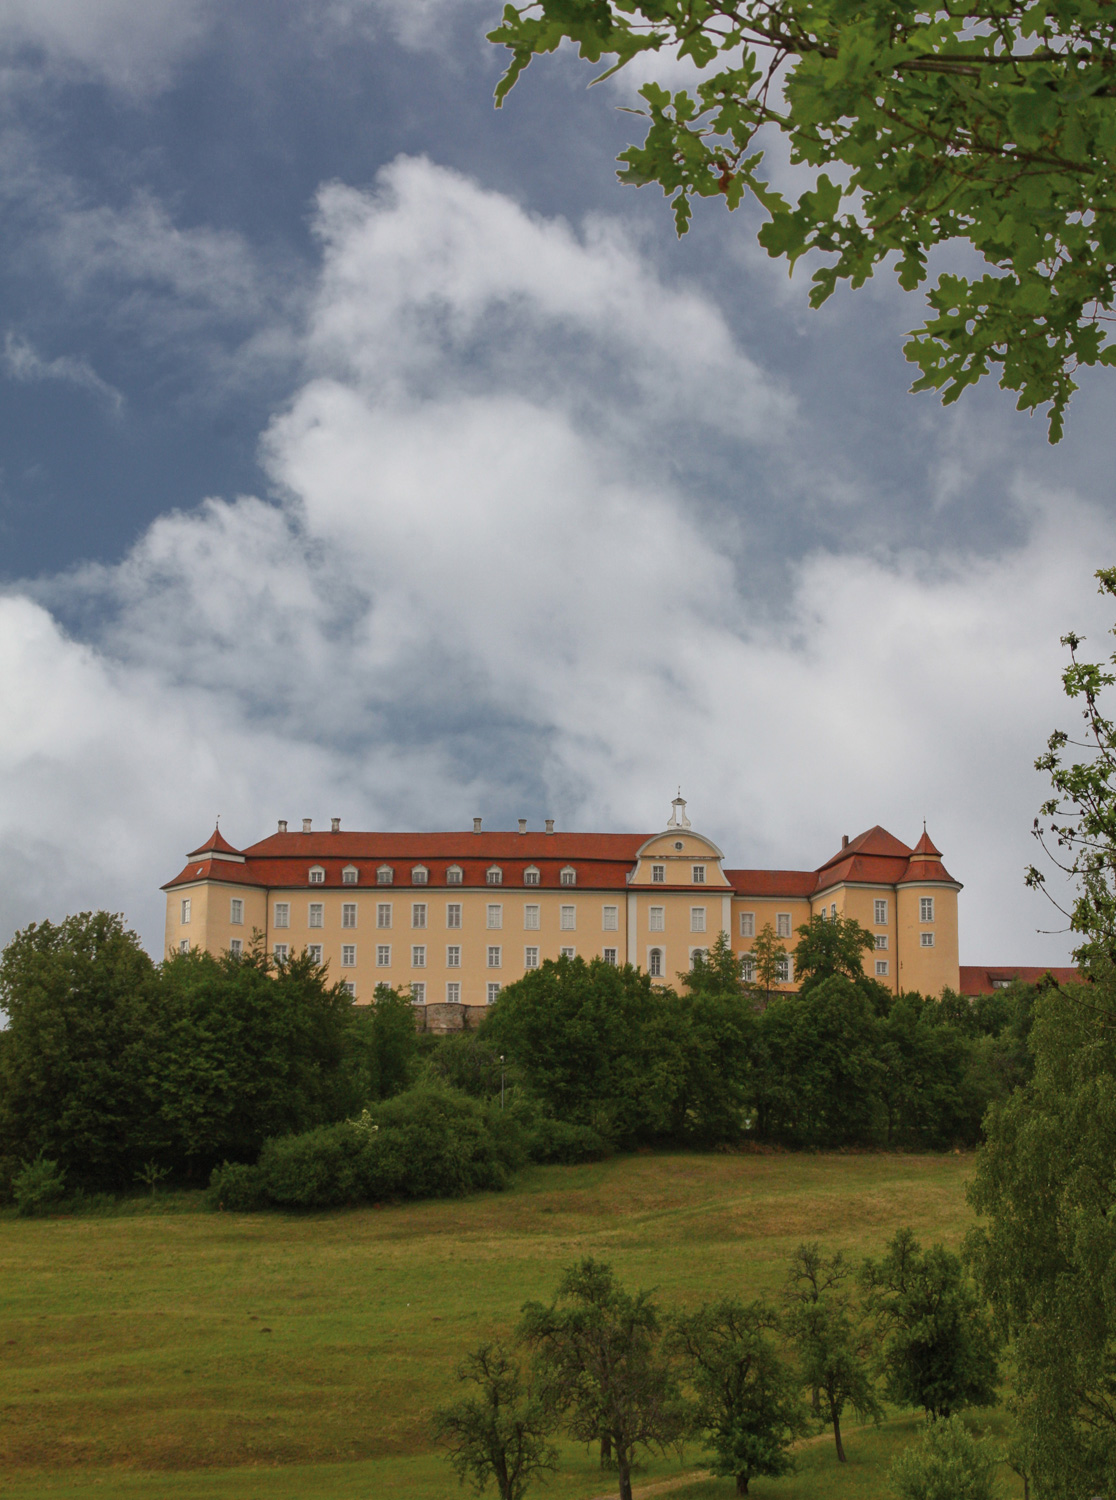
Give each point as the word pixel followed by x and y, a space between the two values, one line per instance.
pixel 169 1352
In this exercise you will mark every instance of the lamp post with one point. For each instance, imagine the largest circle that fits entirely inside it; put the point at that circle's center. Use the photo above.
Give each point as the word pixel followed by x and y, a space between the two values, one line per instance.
pixel 501 1080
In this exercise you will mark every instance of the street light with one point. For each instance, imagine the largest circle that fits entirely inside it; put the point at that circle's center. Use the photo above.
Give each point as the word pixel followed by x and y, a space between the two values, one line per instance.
pixel 501 1080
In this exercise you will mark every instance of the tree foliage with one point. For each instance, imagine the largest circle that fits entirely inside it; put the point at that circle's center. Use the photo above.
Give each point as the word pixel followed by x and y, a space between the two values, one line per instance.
pixel 767 958
pixel 991 125
pixel 948 1463
pixel 828 946
pixel 501 1431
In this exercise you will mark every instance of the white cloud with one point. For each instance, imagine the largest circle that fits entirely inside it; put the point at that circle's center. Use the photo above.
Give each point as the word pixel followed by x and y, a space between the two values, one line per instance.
pixel 132 45
pixel 484 590
pixel 24 364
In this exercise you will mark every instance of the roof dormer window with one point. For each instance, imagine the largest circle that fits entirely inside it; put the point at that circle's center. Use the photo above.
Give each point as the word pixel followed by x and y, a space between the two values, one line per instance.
pixel 385 875
pixel 350 875
pixel 494 875
pixel 419 875
pixel 455 875
pixel 317 875
pixel 568 876
pixel 531 875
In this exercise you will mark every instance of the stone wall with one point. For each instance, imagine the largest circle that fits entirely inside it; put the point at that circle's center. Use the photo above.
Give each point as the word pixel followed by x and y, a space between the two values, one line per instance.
pixel 440 1018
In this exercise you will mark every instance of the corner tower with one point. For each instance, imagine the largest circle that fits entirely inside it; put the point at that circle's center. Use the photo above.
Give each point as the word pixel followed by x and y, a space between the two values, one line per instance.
pixel 926 922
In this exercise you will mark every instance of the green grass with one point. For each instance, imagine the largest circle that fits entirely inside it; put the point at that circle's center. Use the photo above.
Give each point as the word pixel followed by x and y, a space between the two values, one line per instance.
pixel 191 1355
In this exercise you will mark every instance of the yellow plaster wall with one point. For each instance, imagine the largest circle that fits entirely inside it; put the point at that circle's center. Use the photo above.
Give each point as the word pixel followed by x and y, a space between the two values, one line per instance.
pixel 929 970
pixel 210 926
pixel 679 862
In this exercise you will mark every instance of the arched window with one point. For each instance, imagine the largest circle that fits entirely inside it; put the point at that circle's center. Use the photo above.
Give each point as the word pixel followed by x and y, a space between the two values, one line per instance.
pixel 494 876
pixel 350 875
pixel 569 876
pixel 530 875
pixel 419 875
pixel 655 963
pixel 696 953
pixel 385 875
pixel 454 875
pixel 317 875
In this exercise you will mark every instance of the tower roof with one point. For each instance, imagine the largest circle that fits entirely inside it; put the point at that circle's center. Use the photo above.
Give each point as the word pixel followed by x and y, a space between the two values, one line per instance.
pixel 924 849
pixel 216 843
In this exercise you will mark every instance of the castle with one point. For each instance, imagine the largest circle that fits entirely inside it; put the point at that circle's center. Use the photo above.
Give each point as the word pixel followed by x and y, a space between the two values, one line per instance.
pixel 455 916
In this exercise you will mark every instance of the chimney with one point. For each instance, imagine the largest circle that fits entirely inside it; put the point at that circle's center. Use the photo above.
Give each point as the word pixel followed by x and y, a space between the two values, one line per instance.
pixel 523 825
pixel 335 825
pixel 306 824
pixel 476 825
pixel 282 825
pixel 844 841
pixel 550 825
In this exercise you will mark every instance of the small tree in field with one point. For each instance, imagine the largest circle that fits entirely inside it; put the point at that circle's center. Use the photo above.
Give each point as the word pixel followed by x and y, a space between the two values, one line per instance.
pixel 500 1433
pixel 948 1463
pixel 599 1351
pixel 747 1400
pixel 832 1350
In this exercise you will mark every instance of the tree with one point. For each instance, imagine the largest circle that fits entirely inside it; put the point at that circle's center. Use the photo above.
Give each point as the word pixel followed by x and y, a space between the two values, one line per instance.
pixel 715 1025
pixel 78 1080
pixel 832 1351
pixel 828 946
pixel 768 960
pixel 938 1350
pixel 948 1463
pixel 391 1041
pixel 993 125
pixel 747 1400
pixel 599 1352
pixel 500 1433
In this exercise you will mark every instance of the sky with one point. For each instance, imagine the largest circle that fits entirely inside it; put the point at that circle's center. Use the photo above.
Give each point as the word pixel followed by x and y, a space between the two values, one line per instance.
pixel 369 452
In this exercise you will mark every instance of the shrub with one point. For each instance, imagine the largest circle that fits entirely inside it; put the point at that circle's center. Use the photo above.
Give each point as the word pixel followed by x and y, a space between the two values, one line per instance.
pixel 319 1169
pixel 560 1141
pixel 947 1464
pixel 235 1187
pixel 38 1186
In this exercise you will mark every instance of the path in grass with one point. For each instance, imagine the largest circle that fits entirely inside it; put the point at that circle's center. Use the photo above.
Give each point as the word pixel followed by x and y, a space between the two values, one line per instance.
pixel 215 1356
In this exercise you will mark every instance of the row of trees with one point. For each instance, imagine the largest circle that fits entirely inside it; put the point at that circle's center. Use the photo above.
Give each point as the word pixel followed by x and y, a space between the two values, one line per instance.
pixel 745 1379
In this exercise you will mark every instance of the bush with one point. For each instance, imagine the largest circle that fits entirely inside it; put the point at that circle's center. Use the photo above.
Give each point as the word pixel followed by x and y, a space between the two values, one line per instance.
pixel 235 1187
pixel 559 1141
pixel 40 1185
pixel 319 1169
pixel 948 1463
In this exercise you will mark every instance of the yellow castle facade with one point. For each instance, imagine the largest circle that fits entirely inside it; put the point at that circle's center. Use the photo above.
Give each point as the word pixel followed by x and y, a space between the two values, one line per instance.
pixel 453 917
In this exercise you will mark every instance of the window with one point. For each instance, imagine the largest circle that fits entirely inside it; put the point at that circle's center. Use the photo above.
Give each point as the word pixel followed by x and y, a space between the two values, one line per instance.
pixel 454 875
pixel 493 993
pixel 453 914
pixel 317 875
pixel 568 876
pixel 418 914
pixel 349 987
pixel 349 875
pixel 418 956
pixel 926 909
pixel 493 958
pixel 881 913
pixel 419 875
pixel 610 956
pixel 186 910
pixel 453 957
pixel 530 958
pixel 385 875
pixel 282 913
pixel 699 875
pixel 530 876
pixel 697 918
pixel 348 914
pixel 280 951
pixel 315 952
pixel 658 874
pixel 317 914
pixel 568 919
pixel 236 912
pixel 656 919
pixel 418 993
pixel 531 919
pixel 881 940
pixel 453 992
pixel 610 919
pixel 1001 984
pixel 832 916
pixel 383 956
pixel 236 948
pixel 926 939
pixel 184 946
pixel 495 915
pixel 494 875
pixel 881 967
pixel 748 969
pixel 655 963
pixel 383 914
pixel 567 952
pixel 783 971
pixel 696 953
pixel 747 924
pixel 348 955
pixel 782 924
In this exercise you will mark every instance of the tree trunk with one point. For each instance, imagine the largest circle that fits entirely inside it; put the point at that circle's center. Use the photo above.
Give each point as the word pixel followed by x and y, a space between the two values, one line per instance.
pixel 625 1476
pixel 606 1449
pixel 837 1436
pixel 742 1484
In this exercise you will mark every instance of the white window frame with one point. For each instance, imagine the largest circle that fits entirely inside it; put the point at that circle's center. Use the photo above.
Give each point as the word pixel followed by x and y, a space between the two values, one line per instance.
pixel 236 947
pixel 455 875
pixel 453 992
pixel 495 956
pixel 420 875
pixel 282 914
pixel 184 945
pixel 782 924
pixel 453 916
pixel 349 987
pixel 531 917
pixel 655 960
pixel 383 955
pixel 418 914
pixel 418 992
pixel 317 875
pixel 567 952
pixel 280 951
pixel 236 912
pixel 530 958
pixel 350 875
pixel 383 915
pixel 349 915
pixel 748 968
pixel 658 874
pixel 698 873
pixel 453 956
pixel 315 952
pixel 656 919
pixel 494 875
pixel 418 955
pixel 494 917
pixel 694 953
pixel 315 914
pixel 568 876
pixel 493 991
pixel 610 957
pixel 697 919
pixel 610 919
pixel 531 875
pixel 567 919
pixel 385 875
pixel 881 968
pixel 926 908
pixel 348 955
pixel 881 942
pixel 926 940
pixel 783 970
pixel 880 908
pixel 186 910
pixel 747 924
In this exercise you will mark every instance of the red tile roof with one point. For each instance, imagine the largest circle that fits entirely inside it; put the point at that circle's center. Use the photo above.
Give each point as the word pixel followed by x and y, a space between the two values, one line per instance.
pixel 976 980
pixel 452 847
pixel 861 869
pixel 795 884
pixel 925 870
pixel 216 841
pixel 925 846
pixel 876 841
